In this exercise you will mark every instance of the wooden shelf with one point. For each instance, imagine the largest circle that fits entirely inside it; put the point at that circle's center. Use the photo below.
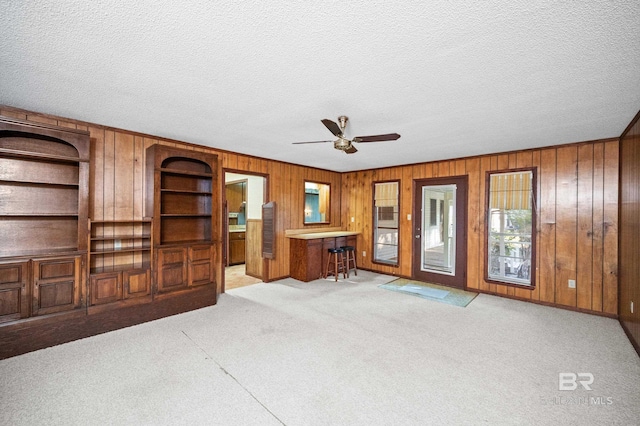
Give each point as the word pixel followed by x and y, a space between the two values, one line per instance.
pixel 51 185
pixel 186 173
pixel 186 192
pixel 170 215
pixel 50 158
pixel 40 216
pixel 102 250
pixel 121 237
pixel 125 250
pixel 58 251
pixel 116 221
pixel 119 268
pixel 183 242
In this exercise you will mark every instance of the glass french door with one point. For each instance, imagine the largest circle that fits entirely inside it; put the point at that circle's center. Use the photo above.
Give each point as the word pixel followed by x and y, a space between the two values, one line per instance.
pixel 439 254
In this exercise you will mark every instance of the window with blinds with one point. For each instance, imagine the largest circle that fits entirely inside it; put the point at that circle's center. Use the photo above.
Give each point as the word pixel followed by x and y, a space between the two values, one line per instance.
pixel 385 222
pixel 511 227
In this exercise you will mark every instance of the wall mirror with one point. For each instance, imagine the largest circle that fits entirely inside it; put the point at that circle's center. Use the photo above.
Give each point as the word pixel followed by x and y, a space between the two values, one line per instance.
pixel 316 202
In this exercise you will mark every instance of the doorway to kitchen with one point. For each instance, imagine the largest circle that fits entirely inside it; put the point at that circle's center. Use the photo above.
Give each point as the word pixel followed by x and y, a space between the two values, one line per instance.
pixel 440 228
pixel 244 196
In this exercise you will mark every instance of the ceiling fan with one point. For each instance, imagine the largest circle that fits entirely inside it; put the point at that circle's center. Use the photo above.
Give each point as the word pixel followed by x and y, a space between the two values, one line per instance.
pixel 346 145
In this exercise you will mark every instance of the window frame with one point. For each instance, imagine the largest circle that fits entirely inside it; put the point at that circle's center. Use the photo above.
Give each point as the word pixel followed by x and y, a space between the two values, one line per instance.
pixel 374 226
pixel 534 227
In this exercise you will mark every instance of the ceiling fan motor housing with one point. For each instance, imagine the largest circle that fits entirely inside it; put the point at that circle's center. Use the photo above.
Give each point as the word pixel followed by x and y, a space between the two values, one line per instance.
pixel 342 144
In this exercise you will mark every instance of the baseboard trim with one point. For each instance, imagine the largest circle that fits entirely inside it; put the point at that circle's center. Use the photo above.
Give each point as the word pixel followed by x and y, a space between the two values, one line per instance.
pixel 631 338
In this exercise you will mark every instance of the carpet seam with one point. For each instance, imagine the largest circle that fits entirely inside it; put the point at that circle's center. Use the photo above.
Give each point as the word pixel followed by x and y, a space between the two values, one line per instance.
pixel 224 370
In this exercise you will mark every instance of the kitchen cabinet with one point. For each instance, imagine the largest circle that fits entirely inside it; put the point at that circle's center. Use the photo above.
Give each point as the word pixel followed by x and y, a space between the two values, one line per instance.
pixel 237 248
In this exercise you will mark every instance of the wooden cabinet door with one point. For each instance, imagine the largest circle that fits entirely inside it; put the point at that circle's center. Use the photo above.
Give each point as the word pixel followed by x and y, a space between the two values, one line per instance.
pixel 305 259
pixel 172 269
pixel 106 288
pixel 237 248
pixel 136 283
pixel 14 300
pixel 56 284
pixel 200 265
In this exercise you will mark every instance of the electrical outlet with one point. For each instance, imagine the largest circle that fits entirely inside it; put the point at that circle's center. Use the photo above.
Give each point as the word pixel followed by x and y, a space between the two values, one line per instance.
pixel 409 217
pixel 353 219
pixel 364 253
pixel 572 283
pixel 117 245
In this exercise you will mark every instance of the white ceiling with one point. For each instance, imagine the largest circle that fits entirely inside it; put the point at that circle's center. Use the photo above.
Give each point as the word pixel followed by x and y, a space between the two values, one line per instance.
pixel 453 78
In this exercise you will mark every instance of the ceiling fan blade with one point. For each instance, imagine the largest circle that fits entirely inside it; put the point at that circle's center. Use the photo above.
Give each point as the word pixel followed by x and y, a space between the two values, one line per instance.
pixel 377 138
pixel 333 127
pixel 351 150
pixel 299 143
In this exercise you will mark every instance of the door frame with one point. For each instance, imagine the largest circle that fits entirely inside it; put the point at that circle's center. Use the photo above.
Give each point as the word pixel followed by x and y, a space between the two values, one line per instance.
pixel 459 279
pixel 224 219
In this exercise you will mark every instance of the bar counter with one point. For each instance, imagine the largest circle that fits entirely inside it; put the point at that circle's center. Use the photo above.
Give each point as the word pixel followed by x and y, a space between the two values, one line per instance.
pixel 308 251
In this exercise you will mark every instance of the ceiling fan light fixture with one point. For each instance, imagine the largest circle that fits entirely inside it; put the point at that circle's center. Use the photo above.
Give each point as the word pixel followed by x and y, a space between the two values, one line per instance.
pixel 342 144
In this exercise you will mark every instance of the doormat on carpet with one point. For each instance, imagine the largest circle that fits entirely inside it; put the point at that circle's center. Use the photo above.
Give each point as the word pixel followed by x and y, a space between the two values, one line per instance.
pixel 438 293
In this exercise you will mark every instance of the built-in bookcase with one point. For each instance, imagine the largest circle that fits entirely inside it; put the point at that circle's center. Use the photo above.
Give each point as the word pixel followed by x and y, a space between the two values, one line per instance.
pixel 181 189
pixel 119 244
pixel 120 259
pixel 185 201
pixel 44 173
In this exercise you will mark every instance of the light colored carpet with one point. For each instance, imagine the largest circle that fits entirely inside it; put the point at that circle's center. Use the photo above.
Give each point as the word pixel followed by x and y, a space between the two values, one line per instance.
pixel 327 353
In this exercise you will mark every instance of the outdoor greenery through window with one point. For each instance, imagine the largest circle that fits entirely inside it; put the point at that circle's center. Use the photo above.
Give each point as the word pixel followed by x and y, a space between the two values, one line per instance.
pixel 385 223
pixel 511 242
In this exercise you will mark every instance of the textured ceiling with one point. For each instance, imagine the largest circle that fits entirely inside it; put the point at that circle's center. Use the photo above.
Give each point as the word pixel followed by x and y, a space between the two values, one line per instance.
pixel 453 78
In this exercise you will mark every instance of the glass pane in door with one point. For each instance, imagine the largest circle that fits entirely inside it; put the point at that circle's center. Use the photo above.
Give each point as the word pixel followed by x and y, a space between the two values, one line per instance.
pixel 438 229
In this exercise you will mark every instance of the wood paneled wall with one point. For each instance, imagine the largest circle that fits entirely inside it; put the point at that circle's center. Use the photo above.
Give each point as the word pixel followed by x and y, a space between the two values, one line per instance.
pixel 577 213
pixel 630 231
pixel 577 201
pixel 116 188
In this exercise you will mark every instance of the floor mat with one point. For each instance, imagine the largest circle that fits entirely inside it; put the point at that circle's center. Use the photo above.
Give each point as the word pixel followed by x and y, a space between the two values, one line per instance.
pixel 437 293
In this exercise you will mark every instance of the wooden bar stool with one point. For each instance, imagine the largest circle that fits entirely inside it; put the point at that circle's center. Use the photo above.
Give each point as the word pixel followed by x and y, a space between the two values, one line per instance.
pixel 350 259
pixel 336 257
